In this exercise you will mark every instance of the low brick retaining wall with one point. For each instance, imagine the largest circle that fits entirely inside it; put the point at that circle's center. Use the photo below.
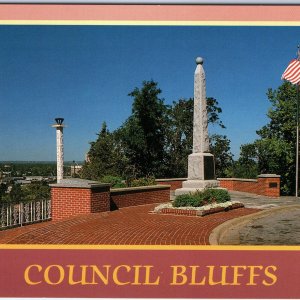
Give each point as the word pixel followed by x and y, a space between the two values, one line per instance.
pixel 139 196
pixel 72 197
pixel 265 185
pixel 175 183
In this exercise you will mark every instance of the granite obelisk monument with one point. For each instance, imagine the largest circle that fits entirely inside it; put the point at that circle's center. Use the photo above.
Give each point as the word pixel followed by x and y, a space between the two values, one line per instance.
pixel 201 166
pixel 59 148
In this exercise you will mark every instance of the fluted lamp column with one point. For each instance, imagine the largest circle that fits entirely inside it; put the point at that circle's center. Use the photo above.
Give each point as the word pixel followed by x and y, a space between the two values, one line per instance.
pixel 59 148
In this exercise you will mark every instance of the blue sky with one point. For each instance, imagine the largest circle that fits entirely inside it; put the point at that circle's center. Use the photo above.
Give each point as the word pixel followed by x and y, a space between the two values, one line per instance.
pixel 84 74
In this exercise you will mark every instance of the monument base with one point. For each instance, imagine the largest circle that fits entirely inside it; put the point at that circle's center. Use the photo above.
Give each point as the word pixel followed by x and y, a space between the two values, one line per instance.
pixel 192 186
pixel 201 174
pixel 201 166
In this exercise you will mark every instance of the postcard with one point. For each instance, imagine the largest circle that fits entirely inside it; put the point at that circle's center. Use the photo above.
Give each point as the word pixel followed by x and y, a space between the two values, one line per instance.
pixel 148 150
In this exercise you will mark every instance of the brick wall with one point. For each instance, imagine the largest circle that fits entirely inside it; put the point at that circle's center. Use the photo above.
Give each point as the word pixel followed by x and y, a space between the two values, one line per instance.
pixel 175 183
pixel 139 196
pixel 72 199
pixel 100 200
pixel 266 185
pixel 64 203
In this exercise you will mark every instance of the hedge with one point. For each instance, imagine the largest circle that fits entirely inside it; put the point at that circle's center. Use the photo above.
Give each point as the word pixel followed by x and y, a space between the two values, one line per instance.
pixel 201 198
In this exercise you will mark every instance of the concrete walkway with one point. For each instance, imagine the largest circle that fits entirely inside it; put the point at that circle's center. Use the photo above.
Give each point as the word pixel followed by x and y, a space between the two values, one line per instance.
pixel 277 224
pixel 262 202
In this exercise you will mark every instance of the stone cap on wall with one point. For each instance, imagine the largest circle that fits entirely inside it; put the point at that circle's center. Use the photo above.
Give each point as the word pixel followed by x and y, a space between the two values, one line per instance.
pixel 79 183
pixel 141 188
pixel 268 176
pixel 237 179
pixel 245 179
pixel 171 179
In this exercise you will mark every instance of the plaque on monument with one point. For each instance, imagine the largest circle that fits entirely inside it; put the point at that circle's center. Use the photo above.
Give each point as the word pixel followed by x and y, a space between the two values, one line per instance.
pixel 209 168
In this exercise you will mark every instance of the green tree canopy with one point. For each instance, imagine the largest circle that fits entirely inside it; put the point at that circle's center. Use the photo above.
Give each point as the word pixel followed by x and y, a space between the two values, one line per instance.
pixel 15 194
pixel 36 191
pixel 276 147
pixel 220 148
pixel 155 140
pixel 143 135
pixel 246 166
pixel 104 157
pixel 180 137
pixel 274 150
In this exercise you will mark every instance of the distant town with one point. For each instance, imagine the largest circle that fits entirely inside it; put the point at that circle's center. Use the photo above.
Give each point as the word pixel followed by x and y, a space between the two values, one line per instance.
pixel 27 172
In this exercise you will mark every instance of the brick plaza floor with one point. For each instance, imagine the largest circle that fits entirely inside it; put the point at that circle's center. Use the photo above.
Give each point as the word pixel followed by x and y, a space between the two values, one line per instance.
pixel 127 226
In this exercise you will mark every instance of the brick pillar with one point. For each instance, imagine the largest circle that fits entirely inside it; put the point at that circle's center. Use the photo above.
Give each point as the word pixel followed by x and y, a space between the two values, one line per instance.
pixel 269 185
pixel 72 197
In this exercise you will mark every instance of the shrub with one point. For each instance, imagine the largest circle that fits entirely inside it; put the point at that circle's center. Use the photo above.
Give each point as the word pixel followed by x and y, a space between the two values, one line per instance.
pixel 186 200
pixel 116 182
pixel 143 181
pixel 216 195
pixel 201 198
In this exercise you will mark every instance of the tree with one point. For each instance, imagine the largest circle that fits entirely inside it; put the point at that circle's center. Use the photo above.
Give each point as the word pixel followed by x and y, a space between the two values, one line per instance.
pixel 36 191
pixel 104 157
pixel 275 150
pixel 3 189
pixel 15 194
pixel 220 148
pixel 180 137
pixel 154 141
pixel 213 112
pixel 246 166
pixel 143 134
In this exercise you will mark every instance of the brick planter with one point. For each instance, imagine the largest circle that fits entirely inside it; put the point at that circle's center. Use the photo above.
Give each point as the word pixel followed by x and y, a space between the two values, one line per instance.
pixel 178 211
pixel 75 197
pixel 193 212
pixel 139 196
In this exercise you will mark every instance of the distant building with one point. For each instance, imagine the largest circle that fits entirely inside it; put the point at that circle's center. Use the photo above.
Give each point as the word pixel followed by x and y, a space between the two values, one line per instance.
pixel 22 181
pixel 34 178
pixel 75 169
pixel 6 173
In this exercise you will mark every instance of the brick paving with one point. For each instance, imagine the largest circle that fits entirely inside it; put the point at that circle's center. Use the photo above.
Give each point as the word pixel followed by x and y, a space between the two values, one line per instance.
pixel 127 226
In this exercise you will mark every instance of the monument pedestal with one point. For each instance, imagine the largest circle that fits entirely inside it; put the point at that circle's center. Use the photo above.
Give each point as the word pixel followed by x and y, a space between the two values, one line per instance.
pixel 201 174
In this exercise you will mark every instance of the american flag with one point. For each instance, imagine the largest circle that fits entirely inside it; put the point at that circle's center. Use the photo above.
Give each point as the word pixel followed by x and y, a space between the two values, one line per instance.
pixel 292 72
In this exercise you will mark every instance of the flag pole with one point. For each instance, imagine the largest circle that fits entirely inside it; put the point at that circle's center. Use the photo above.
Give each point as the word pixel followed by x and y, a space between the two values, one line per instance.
pixel 292 74
pixel 297 133
pixel 297 142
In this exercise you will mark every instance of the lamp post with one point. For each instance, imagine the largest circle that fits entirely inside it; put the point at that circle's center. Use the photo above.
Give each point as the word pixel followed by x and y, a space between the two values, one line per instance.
pixel 74 167
pixel 59 148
